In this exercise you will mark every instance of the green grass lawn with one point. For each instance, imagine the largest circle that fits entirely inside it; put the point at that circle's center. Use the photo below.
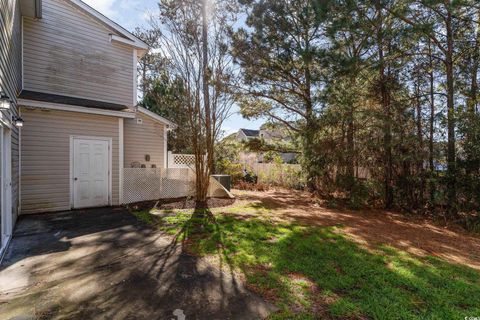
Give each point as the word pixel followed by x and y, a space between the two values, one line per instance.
pixel 316 272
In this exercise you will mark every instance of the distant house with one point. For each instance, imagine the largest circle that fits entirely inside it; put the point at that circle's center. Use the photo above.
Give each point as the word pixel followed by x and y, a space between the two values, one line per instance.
pixel 247 134
pixel 263 134
pixel 274 135
pixel 269 136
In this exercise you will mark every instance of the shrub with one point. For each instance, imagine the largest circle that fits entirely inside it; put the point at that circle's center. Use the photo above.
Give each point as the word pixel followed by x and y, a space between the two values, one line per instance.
pixel 235 170
pixel 282 175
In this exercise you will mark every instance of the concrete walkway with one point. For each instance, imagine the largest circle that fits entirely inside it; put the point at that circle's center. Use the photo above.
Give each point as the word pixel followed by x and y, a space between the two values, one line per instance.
pixel 104 264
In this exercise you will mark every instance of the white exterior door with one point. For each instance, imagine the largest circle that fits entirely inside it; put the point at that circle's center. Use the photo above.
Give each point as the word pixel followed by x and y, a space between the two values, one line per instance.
pixel 91 173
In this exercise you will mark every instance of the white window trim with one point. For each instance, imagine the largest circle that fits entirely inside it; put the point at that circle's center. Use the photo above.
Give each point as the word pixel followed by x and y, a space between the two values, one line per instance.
pixel 72 173
pixel 70 108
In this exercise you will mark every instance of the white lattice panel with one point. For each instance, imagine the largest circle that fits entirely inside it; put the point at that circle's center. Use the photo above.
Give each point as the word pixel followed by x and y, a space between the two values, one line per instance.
pixel 146 184
pixel 141 184
pixel 187 159
pixel 176 183
pixel 181 160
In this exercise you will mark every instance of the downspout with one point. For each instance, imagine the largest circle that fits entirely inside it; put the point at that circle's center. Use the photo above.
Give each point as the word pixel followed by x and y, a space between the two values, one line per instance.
pixel 38 9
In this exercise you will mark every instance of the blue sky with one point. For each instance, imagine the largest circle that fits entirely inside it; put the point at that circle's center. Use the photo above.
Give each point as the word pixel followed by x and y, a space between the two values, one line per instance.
pixel 134 13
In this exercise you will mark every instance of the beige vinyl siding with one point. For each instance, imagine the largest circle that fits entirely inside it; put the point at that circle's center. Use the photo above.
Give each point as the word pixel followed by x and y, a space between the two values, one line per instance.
pixel 143 139
pixel 11 77
pixel 69 53
pixel 46 156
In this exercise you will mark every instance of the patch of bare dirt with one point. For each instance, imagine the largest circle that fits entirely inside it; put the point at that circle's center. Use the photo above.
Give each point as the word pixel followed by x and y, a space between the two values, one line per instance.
pixel 416 235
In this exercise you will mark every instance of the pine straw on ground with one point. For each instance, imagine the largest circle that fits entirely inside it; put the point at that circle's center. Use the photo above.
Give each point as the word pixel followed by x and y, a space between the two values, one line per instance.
pixel 414 234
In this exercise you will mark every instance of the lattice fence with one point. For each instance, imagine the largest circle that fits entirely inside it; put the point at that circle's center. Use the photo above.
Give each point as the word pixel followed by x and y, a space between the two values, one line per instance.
pixel 146 184
pixel 181 160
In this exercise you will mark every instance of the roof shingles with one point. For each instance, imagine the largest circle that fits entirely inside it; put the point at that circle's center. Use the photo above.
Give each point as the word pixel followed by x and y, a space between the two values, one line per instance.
pixel 251 133
pixel 54 98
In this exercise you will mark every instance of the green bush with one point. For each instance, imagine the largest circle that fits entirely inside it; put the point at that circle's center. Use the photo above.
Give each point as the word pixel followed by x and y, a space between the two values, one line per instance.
pixel 235 170
pixel 283 175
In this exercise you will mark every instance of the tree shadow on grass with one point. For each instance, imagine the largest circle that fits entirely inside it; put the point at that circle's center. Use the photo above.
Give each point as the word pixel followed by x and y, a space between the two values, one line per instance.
pixel 312 272
pixel 133 271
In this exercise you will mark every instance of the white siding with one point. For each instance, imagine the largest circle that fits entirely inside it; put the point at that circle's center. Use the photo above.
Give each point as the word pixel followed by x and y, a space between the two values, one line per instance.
pixel 46 156
pixel 69 53
pixel 143 139
pixel 11 76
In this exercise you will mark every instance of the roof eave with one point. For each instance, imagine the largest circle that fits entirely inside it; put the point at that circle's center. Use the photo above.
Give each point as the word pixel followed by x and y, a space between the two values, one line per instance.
pixel 138 43
pixel 141 49
pixel 157 117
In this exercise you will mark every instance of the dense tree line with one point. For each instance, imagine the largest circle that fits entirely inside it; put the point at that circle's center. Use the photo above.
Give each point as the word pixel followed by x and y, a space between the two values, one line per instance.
pixel 384 86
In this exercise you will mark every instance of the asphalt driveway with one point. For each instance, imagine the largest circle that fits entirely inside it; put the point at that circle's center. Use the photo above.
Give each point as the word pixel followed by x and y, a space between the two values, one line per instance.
pixel 105 264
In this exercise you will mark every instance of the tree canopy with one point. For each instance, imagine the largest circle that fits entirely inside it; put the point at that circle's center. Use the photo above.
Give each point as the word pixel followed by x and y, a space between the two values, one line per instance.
pixel 382 94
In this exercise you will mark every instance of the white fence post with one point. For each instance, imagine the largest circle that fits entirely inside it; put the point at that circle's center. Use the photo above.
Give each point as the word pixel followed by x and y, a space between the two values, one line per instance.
pixel 169 159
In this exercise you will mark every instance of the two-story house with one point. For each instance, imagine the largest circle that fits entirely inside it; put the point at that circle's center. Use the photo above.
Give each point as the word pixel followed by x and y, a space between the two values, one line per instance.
pixel 269 136
pixel 70 124
pixel 247 134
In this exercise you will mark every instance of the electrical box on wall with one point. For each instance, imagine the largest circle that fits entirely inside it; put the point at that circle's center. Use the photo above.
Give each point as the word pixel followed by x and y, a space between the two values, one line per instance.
pixel 139 121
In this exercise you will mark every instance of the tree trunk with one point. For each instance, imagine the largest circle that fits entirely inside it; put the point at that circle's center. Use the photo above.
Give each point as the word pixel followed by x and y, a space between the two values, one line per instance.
pixel 351 141
pixel 310 122
pixel 309 138
pixel 451 152
pixel 473 101
pixel 420 157
pixel 205 167
pixel 432 125
pixel 385 102
pixel 473 163
pixel 350 150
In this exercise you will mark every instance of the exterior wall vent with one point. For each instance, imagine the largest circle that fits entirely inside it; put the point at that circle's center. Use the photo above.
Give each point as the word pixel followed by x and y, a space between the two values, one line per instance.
pixel 139 121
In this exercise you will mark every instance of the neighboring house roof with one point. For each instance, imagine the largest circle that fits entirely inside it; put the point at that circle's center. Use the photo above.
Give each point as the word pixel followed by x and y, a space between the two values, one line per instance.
pixel 72 101
pixel 156 117
pixel 127 37
pixel 250 133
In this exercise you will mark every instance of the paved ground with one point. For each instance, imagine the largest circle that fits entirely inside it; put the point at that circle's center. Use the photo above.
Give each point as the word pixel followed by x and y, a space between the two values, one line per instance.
pixel 104 264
